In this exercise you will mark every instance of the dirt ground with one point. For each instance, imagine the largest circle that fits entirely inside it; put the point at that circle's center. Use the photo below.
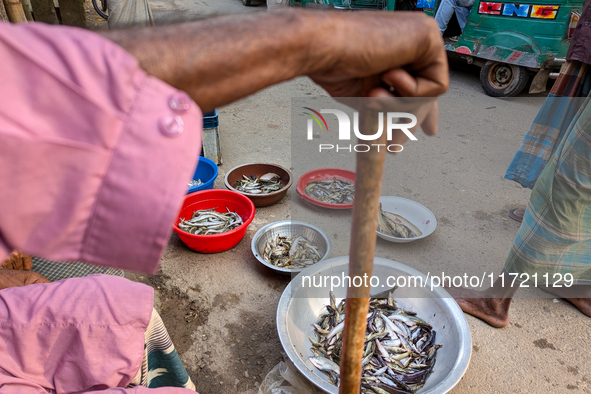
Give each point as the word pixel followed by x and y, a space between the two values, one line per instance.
pixel 250 342
pixel 220 309
pixel 93 20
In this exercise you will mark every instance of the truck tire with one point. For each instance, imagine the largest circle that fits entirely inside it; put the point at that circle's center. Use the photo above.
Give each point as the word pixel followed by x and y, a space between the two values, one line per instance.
pixel 246 3
pixel 502 79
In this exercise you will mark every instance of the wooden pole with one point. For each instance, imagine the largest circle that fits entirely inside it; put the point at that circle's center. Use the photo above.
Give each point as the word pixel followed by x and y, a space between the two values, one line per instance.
pixel 3 15
pixel 28 8
pixel 72 13
pixel 15 11
pixel 44 11
pixel 366 205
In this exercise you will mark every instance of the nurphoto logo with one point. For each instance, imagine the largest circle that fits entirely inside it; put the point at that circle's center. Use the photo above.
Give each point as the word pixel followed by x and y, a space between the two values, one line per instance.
pixel 394 121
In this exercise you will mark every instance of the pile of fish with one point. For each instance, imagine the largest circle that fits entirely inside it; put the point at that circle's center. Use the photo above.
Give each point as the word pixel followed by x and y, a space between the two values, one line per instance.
pixel 209 221
pixel 337 191
pixel 396 226
pixel 267 183
pixel 291 252
pixel 399 350
pixel 194 182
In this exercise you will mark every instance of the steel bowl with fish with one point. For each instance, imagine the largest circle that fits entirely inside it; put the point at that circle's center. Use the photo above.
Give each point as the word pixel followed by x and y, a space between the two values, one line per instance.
pixel 212 221
pixel 328 187
pixel 446 337
pixel 402 220
pixel 263 183
pixel 288 246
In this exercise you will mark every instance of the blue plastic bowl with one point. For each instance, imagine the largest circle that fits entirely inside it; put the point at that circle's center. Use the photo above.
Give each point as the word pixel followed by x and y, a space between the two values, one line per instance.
pixel 207 171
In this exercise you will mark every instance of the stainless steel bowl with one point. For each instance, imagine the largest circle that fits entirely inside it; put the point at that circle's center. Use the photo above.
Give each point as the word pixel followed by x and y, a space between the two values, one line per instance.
pixel 299 307
pixel 290 227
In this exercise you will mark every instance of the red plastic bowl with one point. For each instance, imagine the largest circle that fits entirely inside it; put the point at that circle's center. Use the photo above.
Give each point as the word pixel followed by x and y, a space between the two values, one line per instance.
pixel 220 200
pixel 324 174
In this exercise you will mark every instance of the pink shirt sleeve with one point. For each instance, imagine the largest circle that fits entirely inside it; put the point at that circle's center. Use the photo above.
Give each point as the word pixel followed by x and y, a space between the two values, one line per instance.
pixel 95 155
pixel 75 335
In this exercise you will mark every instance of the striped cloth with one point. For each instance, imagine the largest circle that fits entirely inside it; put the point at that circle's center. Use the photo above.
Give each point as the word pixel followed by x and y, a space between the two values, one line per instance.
pixel 555 235
pixel 57 270
pixel 550 124
pixel 161 366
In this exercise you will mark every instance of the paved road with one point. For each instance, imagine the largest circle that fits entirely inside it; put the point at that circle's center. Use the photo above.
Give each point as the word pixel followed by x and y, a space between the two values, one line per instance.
pixel 231 344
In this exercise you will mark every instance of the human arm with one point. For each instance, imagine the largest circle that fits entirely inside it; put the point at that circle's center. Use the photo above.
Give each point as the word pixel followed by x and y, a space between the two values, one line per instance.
pixel 219 60
pixel 88 171
pixel 111 180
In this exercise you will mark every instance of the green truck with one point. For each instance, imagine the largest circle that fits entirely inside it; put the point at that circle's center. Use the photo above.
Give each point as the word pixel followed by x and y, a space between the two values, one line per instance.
pixel 509 41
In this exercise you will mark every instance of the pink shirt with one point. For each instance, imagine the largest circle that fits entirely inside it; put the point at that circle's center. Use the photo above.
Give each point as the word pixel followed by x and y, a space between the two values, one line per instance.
pixel 95 155
pixel 75 335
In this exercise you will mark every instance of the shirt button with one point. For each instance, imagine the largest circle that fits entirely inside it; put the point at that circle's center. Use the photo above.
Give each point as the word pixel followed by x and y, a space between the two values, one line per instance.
pixel 586 23
pixel 179 102
pixel 171 125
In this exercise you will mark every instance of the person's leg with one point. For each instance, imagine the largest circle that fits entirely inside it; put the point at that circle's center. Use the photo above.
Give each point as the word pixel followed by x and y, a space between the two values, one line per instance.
pixel 578 295
pixel 555 234
pixel 462 14
pixel 547 129
pixel 491 305
pixel 444 13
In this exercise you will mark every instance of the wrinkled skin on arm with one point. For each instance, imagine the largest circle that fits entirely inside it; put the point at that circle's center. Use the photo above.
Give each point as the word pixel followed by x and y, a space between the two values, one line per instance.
pixel 220 60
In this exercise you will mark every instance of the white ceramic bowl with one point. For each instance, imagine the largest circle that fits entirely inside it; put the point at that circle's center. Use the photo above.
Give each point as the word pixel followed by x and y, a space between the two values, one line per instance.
pixel 417 214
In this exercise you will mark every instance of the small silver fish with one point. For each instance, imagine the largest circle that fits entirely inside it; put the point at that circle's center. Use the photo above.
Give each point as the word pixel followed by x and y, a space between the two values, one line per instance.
pixel 324 364
pixel 209 221
pixel 396 226
pixel 337 191
pixel 399 349
pixel 291 252
pixel 267 183
pixel 194 182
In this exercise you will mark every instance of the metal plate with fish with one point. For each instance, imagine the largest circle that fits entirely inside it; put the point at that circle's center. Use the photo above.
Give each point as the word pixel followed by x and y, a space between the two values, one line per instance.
pixel 399 350
pixel 338 187
pixel 300 307
pixel 272 237
pixel 412 220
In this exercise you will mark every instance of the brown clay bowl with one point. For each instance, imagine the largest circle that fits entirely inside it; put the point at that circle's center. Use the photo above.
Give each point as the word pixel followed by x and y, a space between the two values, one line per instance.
pixel 259 169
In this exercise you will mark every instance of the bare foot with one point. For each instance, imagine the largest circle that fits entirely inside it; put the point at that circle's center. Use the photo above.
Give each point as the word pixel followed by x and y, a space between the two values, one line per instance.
pixel 582 304
pixel 18 261
pixel 494 311
pixel 578 295
pixel 17 278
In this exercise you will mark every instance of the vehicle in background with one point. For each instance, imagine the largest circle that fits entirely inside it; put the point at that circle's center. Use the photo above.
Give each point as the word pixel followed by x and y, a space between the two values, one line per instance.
pixel 508 40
